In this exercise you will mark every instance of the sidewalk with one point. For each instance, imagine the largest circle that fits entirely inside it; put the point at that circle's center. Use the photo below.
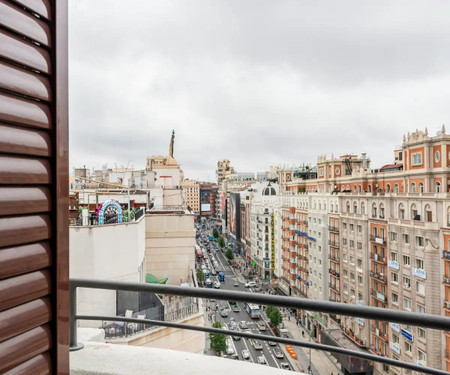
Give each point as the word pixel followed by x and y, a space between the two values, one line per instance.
pixel 321 363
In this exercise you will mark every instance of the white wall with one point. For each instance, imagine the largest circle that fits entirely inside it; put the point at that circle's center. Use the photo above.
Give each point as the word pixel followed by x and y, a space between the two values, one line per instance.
pixel 106 252
pixel 170 246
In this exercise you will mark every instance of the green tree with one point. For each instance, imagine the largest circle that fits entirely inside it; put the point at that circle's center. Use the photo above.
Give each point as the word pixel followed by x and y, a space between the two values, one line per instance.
pixel 215 233
pixel 218 341
pixel 269 310
pixel 229 254
pixel 274 316
pixel 200 275
pixel 221 242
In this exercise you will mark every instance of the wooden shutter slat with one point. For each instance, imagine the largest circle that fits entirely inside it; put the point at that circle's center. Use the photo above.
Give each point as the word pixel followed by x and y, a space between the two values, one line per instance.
pixel 22 259
pixel 15 170
pixel 24 200
pixel 25 317
pixel 24 82
pixel 23 111
pixel 24 288
pixel 39 365
pixel 24 141
pixel 23 347
pixel 24 229
pixel 41 7
pixel 24 53
pixel 24 23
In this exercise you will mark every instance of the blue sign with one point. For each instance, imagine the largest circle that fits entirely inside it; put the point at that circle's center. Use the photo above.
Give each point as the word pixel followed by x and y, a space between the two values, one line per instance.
pixel 306 283
pixel 407 335
pixel 298 277
pixel 359 303
pixel 304 235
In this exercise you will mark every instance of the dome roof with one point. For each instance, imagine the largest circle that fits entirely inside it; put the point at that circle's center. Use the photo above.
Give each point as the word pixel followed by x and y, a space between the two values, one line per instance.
pixel 269 190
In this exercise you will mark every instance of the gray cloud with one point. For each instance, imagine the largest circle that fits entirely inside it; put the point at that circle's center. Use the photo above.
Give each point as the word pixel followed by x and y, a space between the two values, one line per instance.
pixel 257 82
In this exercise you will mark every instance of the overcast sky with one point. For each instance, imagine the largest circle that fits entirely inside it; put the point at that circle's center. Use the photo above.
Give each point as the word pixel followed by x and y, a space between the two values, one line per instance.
pixel 258 82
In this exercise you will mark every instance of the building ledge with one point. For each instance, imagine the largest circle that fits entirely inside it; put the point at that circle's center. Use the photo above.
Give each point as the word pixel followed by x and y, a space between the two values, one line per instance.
pixel 99 358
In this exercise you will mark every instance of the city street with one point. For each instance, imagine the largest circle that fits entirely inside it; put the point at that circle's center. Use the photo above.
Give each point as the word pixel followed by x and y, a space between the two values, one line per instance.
pixel 320 361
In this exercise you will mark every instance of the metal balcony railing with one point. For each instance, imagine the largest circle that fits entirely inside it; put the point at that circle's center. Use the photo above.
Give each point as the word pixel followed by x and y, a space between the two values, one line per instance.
pixel 333 308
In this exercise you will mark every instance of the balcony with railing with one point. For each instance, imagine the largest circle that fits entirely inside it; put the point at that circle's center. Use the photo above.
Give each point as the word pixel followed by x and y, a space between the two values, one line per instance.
pixel 379 276
pixel 333 243
pixel 445 254
pixel 446 279
pixel 380 296
pixel 378 240
pixel 378 258
pixel 333 229
pixel 333 272
pixel 119 359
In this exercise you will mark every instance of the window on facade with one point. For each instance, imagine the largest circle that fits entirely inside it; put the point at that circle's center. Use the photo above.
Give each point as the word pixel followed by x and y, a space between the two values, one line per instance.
pixel 388 188
pixel 413 187
pixel 417 159
pixel 359 245
pixel 420 264
pixel 351 227
pixel 374 211
pixel 422 356
pixel 394 298
pixel 393 236
pixel 420 287
pixel 355 208
pixel 437 187
pixel 359 228
pixel 405 238
pixel 360 280
pixel 421 333
pixel 352 243
pixel 408 347
pixel 396 188
pixel 359 262
pixel 420 241
pixel 394 277
pixel 406 282
pixel 406 260
pixel 420 187
pixel 407 303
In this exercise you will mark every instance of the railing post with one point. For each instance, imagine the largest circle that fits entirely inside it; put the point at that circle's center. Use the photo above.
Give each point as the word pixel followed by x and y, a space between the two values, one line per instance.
pixel 74 345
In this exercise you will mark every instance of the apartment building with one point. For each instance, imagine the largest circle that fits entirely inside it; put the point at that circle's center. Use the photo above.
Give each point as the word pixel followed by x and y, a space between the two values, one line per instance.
pixel 386 230
pixel 191 194
pixel 224 170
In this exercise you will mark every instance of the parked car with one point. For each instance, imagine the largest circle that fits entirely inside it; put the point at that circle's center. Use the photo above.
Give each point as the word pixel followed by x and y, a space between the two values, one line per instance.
pixel 235 282
pixel 217 284
pixel 224 313
pixel 230 350
pixel 235 308
pixel 272 343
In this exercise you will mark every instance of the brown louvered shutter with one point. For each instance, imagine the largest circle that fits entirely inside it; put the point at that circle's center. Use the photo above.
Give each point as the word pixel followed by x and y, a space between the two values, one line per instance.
pixel 34 285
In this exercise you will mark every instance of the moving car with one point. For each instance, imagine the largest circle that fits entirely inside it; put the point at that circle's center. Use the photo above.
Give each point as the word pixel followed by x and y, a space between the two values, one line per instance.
pixel 224 313
pixel 235 282
pixel 278 353
pixel 257 345
pixel 243 324
pixel 236 338
pixel 272 343
pixel 230 350
pixel 250 284
pixel 261 360
pixel 262 326
pixel 217 284
pixel 285 366
pixel 235 308
pixel 245 354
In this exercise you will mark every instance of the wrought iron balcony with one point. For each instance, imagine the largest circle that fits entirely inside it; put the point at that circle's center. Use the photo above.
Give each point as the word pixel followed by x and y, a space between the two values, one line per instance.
pixel 379 314
pixel 378 276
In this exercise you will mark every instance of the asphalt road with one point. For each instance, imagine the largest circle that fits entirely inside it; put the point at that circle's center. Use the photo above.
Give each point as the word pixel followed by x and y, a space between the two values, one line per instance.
pixel 238 345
